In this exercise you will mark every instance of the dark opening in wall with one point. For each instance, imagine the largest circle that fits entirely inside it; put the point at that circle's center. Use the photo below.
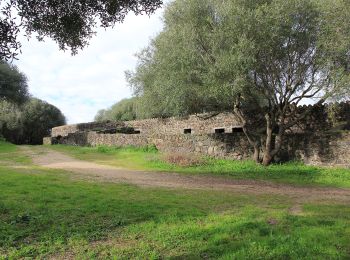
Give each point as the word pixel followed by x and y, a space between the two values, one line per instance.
pixel 237 130
pixel 187 131
pixel 137 132
pixel 219 130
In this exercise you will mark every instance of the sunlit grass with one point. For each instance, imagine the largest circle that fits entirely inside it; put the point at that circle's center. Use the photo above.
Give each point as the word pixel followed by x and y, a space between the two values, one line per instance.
pixel 45 213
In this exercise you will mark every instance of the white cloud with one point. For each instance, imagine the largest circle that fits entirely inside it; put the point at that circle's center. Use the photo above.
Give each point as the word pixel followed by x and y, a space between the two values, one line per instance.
pixel 94 79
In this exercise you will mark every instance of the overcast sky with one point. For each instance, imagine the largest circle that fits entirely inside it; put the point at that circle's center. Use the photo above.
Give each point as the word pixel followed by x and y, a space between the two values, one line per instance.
pixel 93 79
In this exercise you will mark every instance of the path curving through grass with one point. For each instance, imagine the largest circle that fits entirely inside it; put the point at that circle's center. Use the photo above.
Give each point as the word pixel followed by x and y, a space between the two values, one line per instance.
pixel 44 157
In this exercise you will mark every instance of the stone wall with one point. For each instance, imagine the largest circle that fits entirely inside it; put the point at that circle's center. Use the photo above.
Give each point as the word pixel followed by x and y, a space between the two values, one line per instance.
pixel 327 149
pixel 318 139
pixel 229 145
pixel 198 125
pixel 319 119
pixel 96 139
pixel 319 149
pixel 93 126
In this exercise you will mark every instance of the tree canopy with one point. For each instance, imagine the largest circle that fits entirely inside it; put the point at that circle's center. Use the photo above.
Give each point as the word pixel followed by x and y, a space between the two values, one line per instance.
pixel 70 23
pixel 30 122
pixel 257 58
pixel 124 110
pixel 13 84
pixel 23 120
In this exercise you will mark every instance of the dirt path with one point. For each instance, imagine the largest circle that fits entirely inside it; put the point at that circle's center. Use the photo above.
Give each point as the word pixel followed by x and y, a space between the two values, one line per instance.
pixel 55 160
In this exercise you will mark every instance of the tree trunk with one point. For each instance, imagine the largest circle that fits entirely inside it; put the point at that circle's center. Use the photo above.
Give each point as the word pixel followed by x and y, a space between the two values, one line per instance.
pixel 267 159
pixel 269 154
pixel 256 154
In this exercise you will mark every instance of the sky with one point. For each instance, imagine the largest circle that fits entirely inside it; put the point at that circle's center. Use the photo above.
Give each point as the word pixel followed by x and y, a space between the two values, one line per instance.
pixel 93 79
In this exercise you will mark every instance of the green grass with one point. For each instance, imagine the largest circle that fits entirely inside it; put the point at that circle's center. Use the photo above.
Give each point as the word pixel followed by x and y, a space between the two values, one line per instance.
pixel 150 160
pixel 48 214
pixel 7 147
pixel 10 155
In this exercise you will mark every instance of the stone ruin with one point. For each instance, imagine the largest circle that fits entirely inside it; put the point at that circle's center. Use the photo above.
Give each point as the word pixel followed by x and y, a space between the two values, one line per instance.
pixel 323 139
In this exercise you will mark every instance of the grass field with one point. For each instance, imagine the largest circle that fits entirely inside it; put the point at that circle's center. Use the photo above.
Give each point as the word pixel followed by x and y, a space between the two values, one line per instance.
pixel 149 159
pixel 47 214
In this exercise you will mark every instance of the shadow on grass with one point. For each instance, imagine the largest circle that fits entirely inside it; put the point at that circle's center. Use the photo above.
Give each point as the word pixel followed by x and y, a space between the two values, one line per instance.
pixel 47 212
pixel 48 208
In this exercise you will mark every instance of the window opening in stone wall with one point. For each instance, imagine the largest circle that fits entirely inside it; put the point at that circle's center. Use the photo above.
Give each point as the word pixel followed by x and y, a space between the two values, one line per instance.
pixel 219 130
pixel 237 130
pixel 187 131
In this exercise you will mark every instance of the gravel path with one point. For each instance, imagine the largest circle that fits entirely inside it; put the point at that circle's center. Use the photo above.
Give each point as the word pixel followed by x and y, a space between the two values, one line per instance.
pixel 48 158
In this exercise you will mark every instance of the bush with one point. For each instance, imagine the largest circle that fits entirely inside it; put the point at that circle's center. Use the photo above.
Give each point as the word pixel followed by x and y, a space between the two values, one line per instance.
pixel 104 149
pixel 183 159
pixel 149 149
pixel 112 149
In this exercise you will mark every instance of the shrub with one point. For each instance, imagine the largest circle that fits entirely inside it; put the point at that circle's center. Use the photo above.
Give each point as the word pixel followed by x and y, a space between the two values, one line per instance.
pixel 103 149
pixel 183 159
pixel 149 149
pixel 113 149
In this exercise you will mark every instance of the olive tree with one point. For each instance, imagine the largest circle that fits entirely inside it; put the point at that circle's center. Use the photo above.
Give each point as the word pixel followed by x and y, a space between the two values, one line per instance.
pixel 257 58
pixel 124 110
pixel 70 23
pixel 13 84
pixel 38 118
pixel 29 122
pixel 11 122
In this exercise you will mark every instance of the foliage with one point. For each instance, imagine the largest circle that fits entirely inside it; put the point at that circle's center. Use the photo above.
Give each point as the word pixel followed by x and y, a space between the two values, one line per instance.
pixel 11 121
pixel 113 150
pixel 124 110
pixel 48 214
pixel 259 59
pixel 29 123
pixel 39 117
pixel 150 160
pixel 70 24
pixel 338 115
pixel 13 84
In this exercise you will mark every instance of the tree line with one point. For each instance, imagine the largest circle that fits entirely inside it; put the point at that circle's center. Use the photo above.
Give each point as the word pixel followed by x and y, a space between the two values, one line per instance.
pixel 71 25
pixel 23 119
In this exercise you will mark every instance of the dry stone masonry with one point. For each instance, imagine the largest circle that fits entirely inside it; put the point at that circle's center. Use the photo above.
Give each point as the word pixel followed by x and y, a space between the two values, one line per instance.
pixel 324 139
pixel 200 124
